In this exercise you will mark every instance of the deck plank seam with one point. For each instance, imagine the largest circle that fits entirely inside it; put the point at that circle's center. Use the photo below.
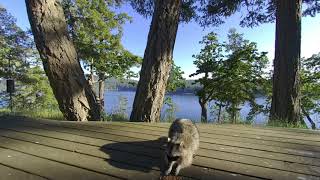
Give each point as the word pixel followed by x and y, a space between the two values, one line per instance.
pixel 18 169
pixel 284 131
pixel 221 134
pixel 204 132
pixel 200 140
pixel 147 155
pixel 88 136
pixel 250 164
pixel 57 161
pixel 82 153
pixel 295 143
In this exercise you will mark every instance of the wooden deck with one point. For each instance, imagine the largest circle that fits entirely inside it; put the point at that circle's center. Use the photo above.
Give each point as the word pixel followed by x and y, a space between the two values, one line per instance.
pixel 44 149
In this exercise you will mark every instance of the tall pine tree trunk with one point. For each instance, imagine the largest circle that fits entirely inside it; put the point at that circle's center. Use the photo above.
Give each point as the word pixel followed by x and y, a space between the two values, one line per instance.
pixel 285 98
pixel 76 99
pixel 102 79
pixel 157 60
pixel 219 112
pixel 204 111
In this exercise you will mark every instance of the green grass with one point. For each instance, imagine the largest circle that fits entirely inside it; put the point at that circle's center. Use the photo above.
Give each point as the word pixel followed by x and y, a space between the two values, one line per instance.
pixel 55 114
pixel 284 124
pixel 43 113
pixel 115 117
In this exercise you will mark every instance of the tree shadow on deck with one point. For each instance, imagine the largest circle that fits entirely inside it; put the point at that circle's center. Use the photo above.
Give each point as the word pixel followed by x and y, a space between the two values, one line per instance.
pixel 142 156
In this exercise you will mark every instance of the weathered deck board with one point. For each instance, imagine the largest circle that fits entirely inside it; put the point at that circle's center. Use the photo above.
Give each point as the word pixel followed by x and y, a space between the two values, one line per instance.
pixel 44 167
pixel 114 128
pixel 132 151
pixel 292 131
pixel 12 173
pixel 239 150
pixel 122 156
pixel 254 133
pixel 139 133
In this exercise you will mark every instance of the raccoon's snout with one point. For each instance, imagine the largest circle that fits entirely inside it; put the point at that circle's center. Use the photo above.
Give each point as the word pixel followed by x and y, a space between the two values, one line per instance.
pixel 173 149
pixel 172 158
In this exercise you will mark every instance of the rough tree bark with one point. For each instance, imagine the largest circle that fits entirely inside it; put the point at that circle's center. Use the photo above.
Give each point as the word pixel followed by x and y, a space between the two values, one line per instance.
pixel 285 104
pixel 233 114
pixel 204 111
pixel 157 60
pixel 102 79
pixel 76 99
pixel 219 112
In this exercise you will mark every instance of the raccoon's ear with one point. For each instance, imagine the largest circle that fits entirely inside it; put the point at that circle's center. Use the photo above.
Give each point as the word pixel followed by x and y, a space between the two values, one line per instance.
pixel 169 139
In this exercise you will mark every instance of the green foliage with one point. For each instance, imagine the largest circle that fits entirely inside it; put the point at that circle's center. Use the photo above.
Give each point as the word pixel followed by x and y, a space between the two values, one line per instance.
pixel 219 115
pixel 170 110
pixel 145 7
pixel 254 12
pixel 280 123
pixel 96 31
pixel 310 89
pixel 174 82
pixel 208 62
pixel 16 46
pixel 19 61
pixel 206 12
pixel 36 93
pixel 310 84
pixel 312 7
pixel 232 72
pixel 176 79
pixel 214 12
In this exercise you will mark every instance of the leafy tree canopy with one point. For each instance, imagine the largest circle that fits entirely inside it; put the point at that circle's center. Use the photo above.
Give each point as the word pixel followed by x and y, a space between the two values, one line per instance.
pixel 213 12
pixel 198 10
pixel 256 11
pixel 19 60
pixel 232 71
pixel 176 79
pixel 15 47
pixel 310 84
pixel 96 29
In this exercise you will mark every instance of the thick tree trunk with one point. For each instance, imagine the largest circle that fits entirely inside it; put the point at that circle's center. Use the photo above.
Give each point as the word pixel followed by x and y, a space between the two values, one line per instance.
pixel 91 78
pixel 233 116
pixel 204 112
pixel 76 99
pixel 157 60
pixel 219 112
pixel 234 113
pixel 101 90
pixel 285 104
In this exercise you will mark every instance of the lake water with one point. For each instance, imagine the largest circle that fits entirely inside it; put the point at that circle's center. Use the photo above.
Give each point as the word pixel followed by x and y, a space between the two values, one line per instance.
pixel 187 106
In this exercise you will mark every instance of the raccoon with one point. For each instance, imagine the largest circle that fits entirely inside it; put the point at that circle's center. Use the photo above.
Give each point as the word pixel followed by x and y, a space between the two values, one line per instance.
pixel 183 141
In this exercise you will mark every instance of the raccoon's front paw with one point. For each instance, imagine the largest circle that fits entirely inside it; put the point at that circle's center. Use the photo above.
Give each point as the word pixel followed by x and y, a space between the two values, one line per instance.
pixel 178 168
pixel 167 172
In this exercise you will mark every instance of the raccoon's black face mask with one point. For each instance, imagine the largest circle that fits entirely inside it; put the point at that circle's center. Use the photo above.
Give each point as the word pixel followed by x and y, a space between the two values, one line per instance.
pixel 172 154
pixel 173 151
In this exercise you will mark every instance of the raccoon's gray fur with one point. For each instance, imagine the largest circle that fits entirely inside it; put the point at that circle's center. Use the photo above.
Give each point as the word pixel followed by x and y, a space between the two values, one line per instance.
pixel 183 141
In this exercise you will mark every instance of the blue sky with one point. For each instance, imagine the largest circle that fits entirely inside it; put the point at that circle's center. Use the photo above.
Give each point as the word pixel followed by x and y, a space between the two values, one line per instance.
pixel 189 35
